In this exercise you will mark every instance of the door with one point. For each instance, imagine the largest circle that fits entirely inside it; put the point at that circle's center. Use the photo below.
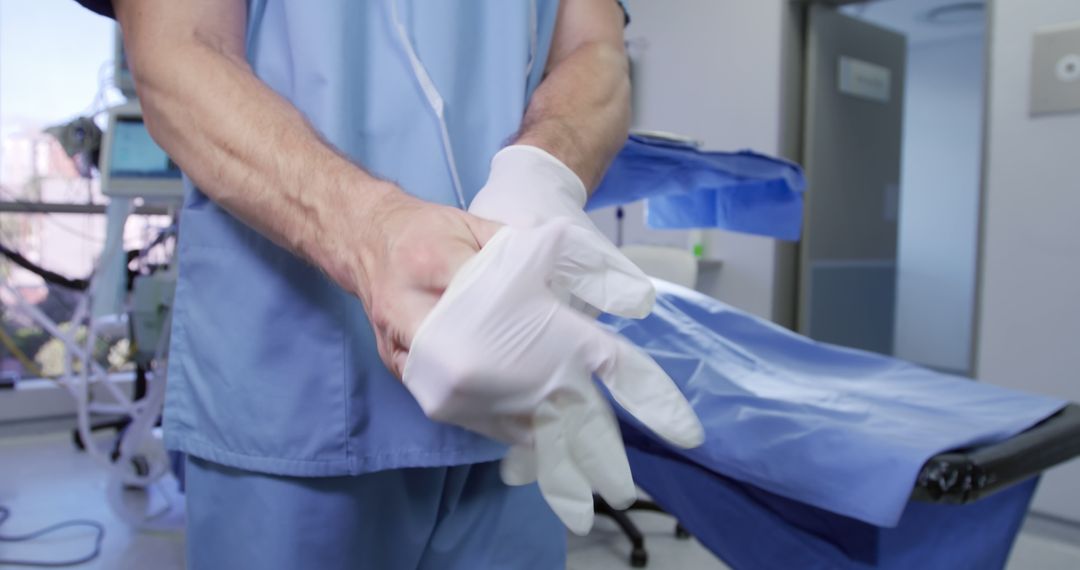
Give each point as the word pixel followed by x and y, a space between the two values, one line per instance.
pixel 852 153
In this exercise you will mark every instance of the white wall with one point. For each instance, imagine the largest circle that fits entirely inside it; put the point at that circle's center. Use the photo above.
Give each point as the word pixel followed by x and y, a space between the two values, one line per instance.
pixel 939 204
pixel 713 70
pixel 1029 306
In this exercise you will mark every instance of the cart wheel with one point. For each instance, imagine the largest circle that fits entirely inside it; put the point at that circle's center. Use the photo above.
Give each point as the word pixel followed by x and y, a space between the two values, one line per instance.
pixel 680 532
pixel 639 558
pixel 140 465
pixel 76 438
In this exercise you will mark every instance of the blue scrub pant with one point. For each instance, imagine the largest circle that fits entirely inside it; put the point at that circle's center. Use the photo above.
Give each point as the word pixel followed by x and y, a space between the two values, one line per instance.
pixel 439 518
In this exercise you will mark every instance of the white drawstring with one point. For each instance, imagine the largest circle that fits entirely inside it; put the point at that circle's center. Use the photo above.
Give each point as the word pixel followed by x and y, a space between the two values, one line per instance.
pixel 533 38
pixel 435 100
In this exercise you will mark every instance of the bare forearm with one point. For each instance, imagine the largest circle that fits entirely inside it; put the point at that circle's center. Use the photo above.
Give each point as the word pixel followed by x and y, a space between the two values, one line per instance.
pixel 248 149
pixel 581 111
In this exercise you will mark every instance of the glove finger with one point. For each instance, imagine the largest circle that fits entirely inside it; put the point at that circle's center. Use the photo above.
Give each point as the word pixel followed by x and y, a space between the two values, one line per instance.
pixel 519 466
pixel 582 307
pixel 593 269
pixel 597 446
pixel 563 485
pixel 643 389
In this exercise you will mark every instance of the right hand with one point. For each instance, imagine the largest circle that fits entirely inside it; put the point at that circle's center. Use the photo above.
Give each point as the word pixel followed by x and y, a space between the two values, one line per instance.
pixel 400 266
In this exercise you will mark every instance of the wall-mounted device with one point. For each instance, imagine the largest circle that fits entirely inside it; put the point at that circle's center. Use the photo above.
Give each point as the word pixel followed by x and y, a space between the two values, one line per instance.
pixel 1055 70
pixel 81 140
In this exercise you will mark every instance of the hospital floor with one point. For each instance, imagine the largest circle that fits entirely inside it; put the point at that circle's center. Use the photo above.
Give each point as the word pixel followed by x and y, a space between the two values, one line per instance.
pixel 43 480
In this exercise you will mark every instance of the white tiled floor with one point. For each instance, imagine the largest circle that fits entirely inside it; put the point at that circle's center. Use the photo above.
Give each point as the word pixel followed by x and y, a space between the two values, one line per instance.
pixel 43 480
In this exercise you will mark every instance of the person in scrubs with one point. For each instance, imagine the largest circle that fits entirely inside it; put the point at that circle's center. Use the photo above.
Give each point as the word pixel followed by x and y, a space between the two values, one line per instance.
pixel 332 147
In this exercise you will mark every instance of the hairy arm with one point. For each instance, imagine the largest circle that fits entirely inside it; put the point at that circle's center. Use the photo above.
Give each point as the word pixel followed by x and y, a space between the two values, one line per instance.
pixel 581 111
pixel 247 148
pixel 255 155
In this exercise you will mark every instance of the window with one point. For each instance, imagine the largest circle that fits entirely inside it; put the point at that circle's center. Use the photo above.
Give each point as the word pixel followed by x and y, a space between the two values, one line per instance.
pixel 56 64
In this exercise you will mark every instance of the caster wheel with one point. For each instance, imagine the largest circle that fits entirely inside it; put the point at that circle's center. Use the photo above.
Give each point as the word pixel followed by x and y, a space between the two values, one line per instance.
pixel 639 558
pixel 77 440
pixel 140 465
pixel 681 533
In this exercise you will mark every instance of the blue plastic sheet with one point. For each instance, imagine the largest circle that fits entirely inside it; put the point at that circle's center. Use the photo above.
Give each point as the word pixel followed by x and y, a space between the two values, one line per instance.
pixel 686 188
pixel 753 529
pixel 842 430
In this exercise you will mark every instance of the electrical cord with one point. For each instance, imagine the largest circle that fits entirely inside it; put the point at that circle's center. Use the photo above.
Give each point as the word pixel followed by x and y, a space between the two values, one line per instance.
pixel 5 513
pixel 106 79
pixel 48 276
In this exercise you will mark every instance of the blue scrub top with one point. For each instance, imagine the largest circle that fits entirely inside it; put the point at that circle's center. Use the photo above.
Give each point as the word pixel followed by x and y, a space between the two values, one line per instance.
pixel 272 367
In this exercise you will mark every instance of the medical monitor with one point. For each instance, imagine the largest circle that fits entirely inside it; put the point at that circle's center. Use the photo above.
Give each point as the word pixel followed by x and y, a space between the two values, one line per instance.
pixel 132 164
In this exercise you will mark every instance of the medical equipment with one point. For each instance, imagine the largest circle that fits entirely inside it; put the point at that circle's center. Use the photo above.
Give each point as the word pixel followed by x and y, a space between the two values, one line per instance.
pixel 136 460
pixel 523 372
pixel 151 307
pixel 81 140
pixel 819 448
pixel 127 298
pixel 850 455
pixel 132 164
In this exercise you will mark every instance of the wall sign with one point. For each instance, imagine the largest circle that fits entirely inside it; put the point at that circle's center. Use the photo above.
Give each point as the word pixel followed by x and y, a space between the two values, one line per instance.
pixel 865 80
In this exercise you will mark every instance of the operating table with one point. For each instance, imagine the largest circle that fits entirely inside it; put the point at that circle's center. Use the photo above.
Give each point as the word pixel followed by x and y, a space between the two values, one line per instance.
pixel 816 456
pixel 825 457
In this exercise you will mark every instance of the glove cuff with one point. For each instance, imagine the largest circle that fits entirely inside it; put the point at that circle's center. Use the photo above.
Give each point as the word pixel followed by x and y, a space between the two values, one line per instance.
pixel 540 164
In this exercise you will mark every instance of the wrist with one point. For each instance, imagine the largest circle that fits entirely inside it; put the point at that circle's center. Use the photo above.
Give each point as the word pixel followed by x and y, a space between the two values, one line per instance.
pixel 542 167
pixel 348 232
pixel 527 186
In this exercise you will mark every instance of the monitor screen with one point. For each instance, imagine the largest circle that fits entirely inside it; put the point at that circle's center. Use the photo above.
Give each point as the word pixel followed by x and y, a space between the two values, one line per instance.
pixel 135 155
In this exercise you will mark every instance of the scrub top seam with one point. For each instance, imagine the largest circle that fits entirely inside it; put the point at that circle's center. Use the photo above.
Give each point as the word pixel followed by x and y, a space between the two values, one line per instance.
pixel 417 457
pixel 344 312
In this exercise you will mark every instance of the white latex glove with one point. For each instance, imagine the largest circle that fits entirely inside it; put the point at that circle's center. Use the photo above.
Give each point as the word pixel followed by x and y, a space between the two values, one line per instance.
pixel 526 187
pixel 501 355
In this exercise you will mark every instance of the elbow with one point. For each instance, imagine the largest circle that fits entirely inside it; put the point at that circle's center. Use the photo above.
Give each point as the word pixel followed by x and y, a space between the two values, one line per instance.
pixel 153 101
pixel 605 54
pixel 614 58
pixel 173 84
pixel 613 54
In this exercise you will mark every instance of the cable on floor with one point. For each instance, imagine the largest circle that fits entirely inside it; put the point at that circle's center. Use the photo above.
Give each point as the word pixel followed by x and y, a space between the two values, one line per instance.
pixel 5 513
